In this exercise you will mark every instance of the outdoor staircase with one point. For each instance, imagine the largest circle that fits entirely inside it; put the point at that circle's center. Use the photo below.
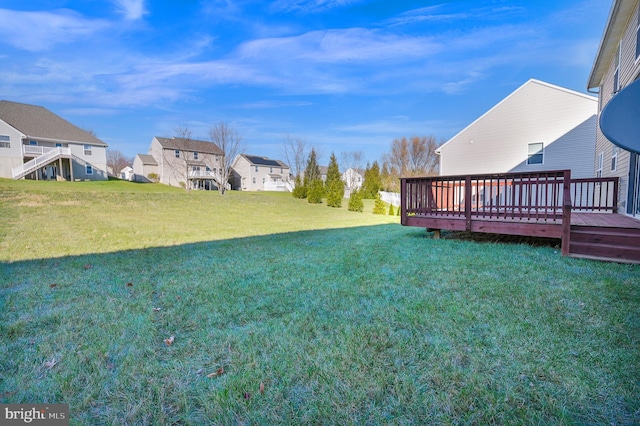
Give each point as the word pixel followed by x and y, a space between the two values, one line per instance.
pixel 34 164
pixel 614 244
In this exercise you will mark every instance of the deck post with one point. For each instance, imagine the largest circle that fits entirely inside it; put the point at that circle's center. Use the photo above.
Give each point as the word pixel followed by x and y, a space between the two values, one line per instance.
pixel 615 197
pixel 566 213
pixel 467 201
pixel 403 201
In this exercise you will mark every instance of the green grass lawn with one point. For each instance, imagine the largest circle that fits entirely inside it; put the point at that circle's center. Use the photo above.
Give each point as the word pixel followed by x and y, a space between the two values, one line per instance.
pixel 339 317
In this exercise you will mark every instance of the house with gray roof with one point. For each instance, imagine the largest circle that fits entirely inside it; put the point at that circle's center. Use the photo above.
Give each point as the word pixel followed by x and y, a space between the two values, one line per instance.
pixel 181 162
pixel 145 168
pixel 37 144
pixel 257 173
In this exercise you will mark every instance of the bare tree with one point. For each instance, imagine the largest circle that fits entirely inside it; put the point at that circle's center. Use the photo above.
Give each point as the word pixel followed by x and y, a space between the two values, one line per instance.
pixel 295 153
pixel 413 157
pixel 117 161
pixel 230 143
pixel 352 160
pixel 183 154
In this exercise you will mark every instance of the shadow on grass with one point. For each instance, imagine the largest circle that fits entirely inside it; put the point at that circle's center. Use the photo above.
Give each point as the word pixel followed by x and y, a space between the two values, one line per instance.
pixel 372 324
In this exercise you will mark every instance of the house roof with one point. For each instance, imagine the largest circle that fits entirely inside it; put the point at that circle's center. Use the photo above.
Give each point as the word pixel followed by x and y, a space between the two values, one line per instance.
pixel 256 160
pixel 512 94
pixel 39 123
pixel 621 12
pixel 147 159
pixel 189 145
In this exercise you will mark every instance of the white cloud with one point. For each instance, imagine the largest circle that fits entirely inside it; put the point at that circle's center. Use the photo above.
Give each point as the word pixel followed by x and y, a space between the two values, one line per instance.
pixel 310 6
pixel 38 31
pixel 341 45
pixel 131 9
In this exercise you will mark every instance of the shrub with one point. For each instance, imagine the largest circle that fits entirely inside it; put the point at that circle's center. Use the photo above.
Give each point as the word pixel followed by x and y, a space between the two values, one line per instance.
pixel 355 202
pixel 335 194
pixel 299 190
pixel 379 207
pixel 315 192
pixel 391 211
pixel 153 177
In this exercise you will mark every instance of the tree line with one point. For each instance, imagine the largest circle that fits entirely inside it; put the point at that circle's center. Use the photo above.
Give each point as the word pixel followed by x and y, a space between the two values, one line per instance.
pixel 407 157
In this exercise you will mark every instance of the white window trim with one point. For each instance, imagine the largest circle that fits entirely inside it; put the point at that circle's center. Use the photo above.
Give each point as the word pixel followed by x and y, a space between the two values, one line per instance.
pixel 5 141
pixel 616 72
pixel 614 158
pixel 600 165
pixel 531 155
pixel 87 149
pixel 88 169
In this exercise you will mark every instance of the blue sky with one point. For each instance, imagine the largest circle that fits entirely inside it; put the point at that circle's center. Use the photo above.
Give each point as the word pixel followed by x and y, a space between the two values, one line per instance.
pixel 346 75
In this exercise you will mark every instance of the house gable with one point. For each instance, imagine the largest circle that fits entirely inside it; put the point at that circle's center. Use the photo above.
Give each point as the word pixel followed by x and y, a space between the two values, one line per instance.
pixel 536 113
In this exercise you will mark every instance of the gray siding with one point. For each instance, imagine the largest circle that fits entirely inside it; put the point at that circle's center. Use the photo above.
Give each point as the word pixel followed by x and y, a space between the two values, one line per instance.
pixel 629 71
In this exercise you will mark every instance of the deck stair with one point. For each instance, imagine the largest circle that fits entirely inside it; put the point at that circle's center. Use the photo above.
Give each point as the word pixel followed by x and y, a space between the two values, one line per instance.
pixel 47 157
pixel 617 244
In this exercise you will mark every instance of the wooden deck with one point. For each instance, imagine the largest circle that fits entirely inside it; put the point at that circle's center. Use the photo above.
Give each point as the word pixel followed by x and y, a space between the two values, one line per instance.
pixel 580 212
pixel 604 220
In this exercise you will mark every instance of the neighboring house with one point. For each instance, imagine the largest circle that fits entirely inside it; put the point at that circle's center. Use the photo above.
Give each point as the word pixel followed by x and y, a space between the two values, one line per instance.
pixel 145 168
pixel 538 127
pixel 617 64
pixel 256 173
pixel 127 173
pixel 38 144
pixel 181 162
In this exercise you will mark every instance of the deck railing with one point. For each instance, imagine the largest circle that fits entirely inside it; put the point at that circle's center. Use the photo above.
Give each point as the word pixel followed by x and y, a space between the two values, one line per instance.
pixel 595 194
pixel 515 196
pixel 531 198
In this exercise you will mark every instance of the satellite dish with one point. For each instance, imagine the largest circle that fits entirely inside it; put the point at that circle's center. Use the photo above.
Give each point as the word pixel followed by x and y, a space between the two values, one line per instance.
pixel 620 118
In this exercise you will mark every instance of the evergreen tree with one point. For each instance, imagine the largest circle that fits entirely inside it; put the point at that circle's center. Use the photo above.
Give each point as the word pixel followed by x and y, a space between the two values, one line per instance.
pixel 314 188
pixel 372 182
pixel 334 183
pixel 312 171
pixel 355 202
pixel 315 191
pixel 391 211
pixel 379 206
pixel 299 190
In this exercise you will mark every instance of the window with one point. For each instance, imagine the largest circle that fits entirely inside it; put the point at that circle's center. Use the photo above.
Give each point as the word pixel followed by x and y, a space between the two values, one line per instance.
pixel 254 180
pixel 264 180
pixel 535 154
pixel 600 164
pixel 195 155
pixel 616 75
pixel 177 153
pixel 33 142
pixel 256 170
pixel 5 141
pixel 87 150
pixel 58 145
pixel 270 169
pixel 89 169
pixel 614 158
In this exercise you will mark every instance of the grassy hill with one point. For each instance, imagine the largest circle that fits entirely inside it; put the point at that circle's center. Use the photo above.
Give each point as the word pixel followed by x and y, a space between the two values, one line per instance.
pixel 141 304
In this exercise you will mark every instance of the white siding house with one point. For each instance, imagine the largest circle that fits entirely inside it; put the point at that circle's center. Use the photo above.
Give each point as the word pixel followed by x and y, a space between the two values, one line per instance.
pixel 181 162
pixel 538 127
pixel 256 173
pixel 38 144
pixel 617 64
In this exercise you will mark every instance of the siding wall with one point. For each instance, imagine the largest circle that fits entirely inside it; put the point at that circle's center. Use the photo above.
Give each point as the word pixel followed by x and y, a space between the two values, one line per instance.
pixel 497 142
pixel 10 157
pixel 629 71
